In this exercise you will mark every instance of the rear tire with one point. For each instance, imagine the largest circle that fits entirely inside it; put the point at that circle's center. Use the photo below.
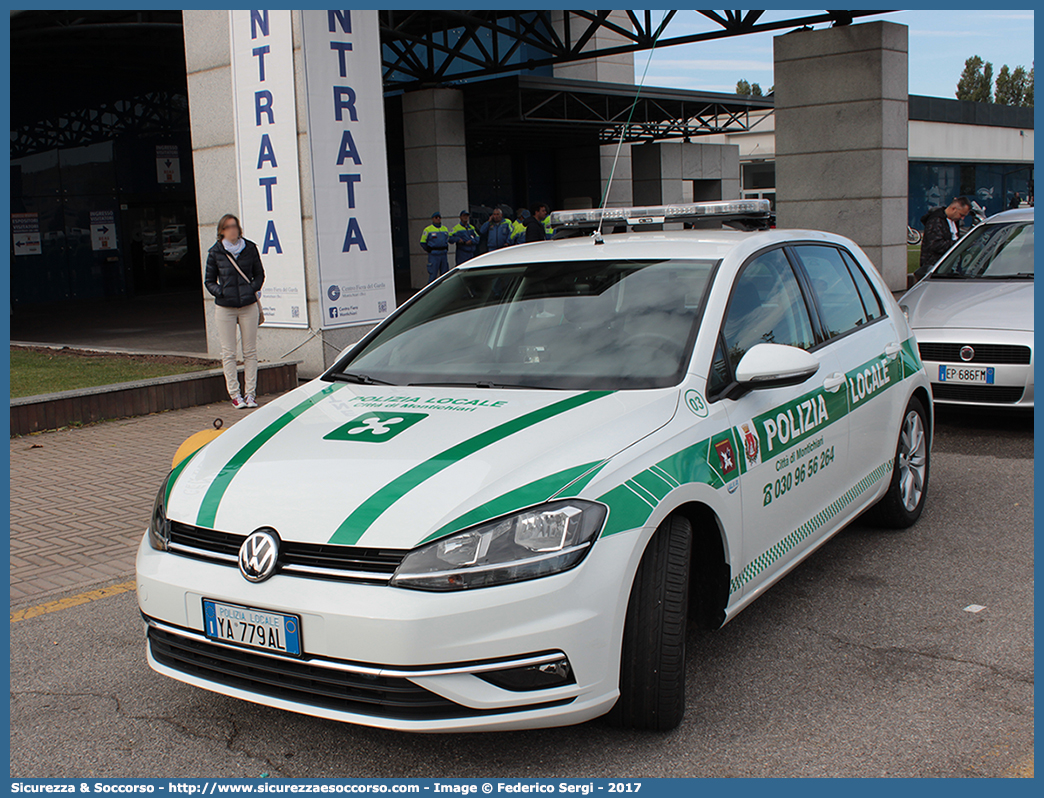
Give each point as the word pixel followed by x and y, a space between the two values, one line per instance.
pixel 652 661
pixel 901 506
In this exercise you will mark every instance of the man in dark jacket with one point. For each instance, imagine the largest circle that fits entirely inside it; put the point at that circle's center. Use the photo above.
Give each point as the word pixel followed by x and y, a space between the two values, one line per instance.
pixel 535 223
pixel 940 231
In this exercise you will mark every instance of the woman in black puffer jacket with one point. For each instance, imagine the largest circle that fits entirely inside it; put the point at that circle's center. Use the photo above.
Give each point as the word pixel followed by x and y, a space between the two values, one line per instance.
pixel 236 304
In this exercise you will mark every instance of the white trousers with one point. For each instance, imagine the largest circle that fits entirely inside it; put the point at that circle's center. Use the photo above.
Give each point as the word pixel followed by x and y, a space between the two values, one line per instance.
pixel 246 318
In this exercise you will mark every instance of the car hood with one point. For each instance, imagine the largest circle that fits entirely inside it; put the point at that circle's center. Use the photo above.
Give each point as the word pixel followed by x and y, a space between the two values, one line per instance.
pixel 329 462
pixel 970 304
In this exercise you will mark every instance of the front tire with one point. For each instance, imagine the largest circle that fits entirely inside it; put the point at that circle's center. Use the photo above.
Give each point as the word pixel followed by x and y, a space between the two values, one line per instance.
pixel 901 506
pixel 652 661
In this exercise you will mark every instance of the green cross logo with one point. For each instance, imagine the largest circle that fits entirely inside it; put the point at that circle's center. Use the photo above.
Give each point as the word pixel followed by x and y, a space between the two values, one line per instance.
pixel 375 427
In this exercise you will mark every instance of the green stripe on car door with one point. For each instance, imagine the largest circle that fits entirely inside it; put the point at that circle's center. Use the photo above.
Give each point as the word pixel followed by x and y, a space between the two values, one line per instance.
pixel 208 509
pixel 356 524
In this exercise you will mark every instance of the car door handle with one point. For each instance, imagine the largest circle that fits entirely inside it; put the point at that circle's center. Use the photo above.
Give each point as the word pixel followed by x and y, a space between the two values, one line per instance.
pixel 892 350
pixel 833 382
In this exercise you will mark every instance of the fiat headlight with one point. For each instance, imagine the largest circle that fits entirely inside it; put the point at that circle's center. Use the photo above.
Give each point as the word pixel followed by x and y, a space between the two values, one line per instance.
pixel 544 540
pixel 159 524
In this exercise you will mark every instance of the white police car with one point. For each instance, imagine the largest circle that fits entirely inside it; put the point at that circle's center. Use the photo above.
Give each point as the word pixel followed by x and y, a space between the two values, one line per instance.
pixel 500 509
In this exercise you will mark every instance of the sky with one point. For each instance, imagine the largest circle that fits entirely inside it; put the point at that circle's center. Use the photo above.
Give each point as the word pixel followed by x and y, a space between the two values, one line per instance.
pixel 939 44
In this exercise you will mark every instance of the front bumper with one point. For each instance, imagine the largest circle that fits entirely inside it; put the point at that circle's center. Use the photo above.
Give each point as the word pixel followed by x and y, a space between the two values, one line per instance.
pixel 402 659
pixel 1013 382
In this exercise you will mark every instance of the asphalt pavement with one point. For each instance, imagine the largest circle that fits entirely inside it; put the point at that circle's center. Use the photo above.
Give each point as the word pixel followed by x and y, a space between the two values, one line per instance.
pixel 864 661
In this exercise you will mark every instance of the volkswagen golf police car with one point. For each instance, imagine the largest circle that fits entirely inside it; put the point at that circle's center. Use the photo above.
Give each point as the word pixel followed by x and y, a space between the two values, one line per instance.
pixel 500 509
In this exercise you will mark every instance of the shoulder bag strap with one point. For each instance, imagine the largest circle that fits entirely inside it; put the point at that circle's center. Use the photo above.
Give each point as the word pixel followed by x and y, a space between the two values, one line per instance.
pixel 236 265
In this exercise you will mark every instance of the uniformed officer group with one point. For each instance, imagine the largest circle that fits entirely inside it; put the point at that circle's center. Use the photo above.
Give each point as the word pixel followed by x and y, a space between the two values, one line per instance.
pixel 495 233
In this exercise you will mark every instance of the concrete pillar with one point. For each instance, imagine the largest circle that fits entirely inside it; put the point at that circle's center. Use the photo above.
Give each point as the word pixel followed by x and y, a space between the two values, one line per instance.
pixel 841 137
pixel 673 172
pixel 620 190
pixel 208 64
pixel 607 69
pixel 436 166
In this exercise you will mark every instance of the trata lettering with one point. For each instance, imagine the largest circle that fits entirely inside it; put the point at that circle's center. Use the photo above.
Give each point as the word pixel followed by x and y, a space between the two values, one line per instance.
pixel 869 381
pixel 795 421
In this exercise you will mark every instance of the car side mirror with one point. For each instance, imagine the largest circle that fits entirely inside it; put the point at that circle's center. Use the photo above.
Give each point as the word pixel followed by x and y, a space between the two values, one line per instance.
pixel 774 366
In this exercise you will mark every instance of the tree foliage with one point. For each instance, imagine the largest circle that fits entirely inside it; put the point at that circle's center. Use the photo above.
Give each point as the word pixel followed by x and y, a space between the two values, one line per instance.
pixel 1013 86
pixel 745 89
pixel 976 81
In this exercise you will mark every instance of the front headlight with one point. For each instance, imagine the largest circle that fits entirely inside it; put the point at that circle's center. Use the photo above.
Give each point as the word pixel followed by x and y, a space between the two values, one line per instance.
pixel 543 540
pixel 159 524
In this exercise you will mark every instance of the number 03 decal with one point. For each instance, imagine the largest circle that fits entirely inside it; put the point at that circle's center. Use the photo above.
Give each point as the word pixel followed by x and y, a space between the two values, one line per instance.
pixel 696 403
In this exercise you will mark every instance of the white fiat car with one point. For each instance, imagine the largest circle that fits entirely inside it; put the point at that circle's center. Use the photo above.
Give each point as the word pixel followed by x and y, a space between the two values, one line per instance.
pixel 973 316
pixel 501 508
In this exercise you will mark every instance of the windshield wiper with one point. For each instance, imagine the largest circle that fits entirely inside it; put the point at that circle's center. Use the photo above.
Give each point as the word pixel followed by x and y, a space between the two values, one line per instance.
pixel 485 384
pixel 358 379
pixel 951 276
pixel 1016 276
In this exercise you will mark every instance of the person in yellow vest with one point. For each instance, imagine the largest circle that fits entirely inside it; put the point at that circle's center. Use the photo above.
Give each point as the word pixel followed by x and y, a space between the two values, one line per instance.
pixel 466 237
pixel 435 241
pixel 518 227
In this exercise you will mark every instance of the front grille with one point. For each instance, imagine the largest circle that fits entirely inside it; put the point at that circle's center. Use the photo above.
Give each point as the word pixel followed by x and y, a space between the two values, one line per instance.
pixel 984 353
pixel 315 560
pixel 305 683
pixel 991 394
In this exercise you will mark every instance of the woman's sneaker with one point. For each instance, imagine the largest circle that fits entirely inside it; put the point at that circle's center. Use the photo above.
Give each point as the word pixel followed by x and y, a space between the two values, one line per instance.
pixel 238 403
pixel 250 401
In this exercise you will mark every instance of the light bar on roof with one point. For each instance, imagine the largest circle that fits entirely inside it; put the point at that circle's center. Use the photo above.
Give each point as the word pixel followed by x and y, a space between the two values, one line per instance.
pixel 657 214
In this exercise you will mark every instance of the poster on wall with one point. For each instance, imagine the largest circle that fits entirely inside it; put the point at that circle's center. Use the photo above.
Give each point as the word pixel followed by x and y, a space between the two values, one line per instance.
pixel 168 164
pixel 349 166
pixel 103 230
pixel 266 158
pixel 25 233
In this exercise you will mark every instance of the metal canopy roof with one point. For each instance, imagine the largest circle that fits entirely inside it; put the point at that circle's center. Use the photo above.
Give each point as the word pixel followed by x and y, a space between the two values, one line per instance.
pixel 434 46
pixel 523 109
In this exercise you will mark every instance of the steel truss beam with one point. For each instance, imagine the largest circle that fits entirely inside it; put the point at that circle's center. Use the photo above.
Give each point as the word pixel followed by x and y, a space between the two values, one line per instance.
pixel 153 113
pixel 424 48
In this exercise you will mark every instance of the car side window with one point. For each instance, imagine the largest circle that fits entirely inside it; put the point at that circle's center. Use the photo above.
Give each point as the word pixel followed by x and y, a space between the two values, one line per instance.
pixel 719 376
pixel 871 301
pixel 766 307
pixel 839 302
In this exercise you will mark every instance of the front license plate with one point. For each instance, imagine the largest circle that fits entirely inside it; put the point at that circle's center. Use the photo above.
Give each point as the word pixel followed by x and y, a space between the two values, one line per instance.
pixel 252 628
pixel 982 375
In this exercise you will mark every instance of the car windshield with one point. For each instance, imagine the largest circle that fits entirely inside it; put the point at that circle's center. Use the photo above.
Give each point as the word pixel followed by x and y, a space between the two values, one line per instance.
pixel 579 325
pixel 992 251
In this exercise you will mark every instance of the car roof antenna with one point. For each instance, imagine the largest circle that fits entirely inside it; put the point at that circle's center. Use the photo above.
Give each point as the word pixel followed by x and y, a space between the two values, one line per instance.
pixel 623 131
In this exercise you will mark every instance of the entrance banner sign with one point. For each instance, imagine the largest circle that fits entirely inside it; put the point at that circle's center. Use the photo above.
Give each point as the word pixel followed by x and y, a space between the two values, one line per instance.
pixel 349 166
pixel 266 158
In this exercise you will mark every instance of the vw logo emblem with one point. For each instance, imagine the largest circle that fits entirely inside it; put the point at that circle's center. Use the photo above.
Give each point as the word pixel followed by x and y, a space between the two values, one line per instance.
pixel 259 554
pixel 967 353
